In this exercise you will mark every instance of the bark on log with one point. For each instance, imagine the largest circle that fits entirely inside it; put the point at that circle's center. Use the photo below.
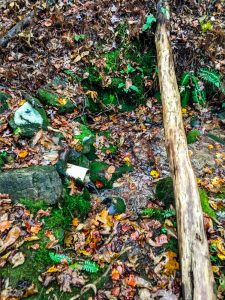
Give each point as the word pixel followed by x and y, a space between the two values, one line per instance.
pixel 15 29
pixel 197 276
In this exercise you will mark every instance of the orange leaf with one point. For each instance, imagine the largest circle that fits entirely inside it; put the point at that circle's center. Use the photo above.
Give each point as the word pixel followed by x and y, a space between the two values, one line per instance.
pixel 4 225
pixel 75 221
pixel 23 153
pixel 131 281
pixel 36 228
pixel 115 274
pixel 98 184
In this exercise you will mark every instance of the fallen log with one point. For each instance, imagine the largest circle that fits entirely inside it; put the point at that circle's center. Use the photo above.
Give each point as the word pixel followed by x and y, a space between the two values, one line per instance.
pixel 15 29
pixel 197 276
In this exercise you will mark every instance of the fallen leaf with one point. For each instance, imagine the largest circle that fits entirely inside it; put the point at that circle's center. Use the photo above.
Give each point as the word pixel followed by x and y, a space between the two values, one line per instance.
pixel 23 153
pixel 130 280
pixel 18 259
pixel 5 225
pixel 10 239
pixel 115 275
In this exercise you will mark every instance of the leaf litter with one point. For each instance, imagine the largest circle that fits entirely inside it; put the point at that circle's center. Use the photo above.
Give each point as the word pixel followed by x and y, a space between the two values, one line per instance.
pixel 134 253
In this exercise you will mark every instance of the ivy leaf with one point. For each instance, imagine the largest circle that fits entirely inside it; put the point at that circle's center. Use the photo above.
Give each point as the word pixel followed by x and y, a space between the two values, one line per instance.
pixel 134 88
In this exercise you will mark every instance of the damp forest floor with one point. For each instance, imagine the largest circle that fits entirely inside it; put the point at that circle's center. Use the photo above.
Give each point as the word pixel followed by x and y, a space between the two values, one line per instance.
pixel 91 69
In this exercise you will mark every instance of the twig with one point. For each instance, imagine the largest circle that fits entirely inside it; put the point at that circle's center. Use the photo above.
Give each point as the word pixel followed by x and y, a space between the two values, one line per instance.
pixel 17 28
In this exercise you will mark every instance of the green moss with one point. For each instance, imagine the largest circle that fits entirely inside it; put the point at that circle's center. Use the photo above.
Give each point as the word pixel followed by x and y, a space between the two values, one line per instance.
pixel 205 204
pixel 34 206
pixel 75 206
pixel 61 103
pixel 3 101
pixel 112 60
pixel 164 191
pixel 193 136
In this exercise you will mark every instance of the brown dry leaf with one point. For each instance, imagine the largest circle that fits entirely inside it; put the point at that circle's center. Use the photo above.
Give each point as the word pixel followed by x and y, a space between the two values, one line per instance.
pixel 10 239
pixel 5 225
pixel 18 259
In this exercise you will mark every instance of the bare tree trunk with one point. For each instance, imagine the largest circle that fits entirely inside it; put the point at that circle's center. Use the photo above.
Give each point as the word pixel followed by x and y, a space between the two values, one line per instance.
pixel 197 276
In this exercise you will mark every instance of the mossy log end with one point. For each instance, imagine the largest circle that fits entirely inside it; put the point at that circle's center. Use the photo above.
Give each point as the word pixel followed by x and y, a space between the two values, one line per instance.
pixel 197 276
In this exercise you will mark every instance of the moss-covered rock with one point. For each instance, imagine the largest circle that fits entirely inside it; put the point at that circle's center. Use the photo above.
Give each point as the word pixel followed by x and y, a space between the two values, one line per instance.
pixel 193 136
pixel 36 183
pixel 164 191
pixel 29 118
pixel 48 98
pixel 3 101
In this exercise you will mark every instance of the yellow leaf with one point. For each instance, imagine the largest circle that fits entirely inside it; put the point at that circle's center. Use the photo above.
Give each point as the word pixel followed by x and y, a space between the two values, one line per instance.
pixel 221 256
pixel 62 101
pixel 22 102
pixel 52 269
pixel 92 94
pixel 215 269
pixel 154 174
pixel 184 111
pixel 210 146
pixel 23 153
pixel 84 252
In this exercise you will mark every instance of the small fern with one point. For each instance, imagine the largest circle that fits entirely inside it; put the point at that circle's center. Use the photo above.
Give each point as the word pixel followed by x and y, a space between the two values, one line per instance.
pixel 90 266
pixel 57 257
pixel 212 77
pixel 185 79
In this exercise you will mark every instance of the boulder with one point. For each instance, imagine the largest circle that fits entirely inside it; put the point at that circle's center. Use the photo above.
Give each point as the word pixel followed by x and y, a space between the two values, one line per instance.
pixel 35 183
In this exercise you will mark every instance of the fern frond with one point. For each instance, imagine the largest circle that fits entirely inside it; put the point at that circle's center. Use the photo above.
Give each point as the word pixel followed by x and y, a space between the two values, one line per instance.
pixel 185 97
pixel 90 266
pixel 211 76
pixel 185 79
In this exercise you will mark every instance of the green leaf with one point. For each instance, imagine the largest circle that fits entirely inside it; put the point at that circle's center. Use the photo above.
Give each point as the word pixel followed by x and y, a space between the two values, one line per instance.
pixel 57 258
pixel 150 19
pixel 17 131
pixel 121 85
pixel 90 266
pixel 129 69
pixel 79 37
pixel 134 88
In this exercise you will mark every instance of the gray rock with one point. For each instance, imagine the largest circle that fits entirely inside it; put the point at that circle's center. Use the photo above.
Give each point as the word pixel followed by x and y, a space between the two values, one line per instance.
pixel 35 183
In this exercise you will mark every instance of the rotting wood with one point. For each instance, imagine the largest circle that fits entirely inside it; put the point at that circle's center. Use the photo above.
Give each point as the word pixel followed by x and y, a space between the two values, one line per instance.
pixel 15 29
pixel 197 276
